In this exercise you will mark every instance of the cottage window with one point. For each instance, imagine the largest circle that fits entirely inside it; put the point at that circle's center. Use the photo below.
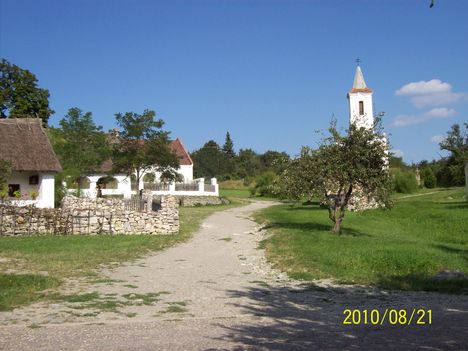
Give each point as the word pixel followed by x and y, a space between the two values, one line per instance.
pixel 361 108
pixel 12 188
pixel 34 180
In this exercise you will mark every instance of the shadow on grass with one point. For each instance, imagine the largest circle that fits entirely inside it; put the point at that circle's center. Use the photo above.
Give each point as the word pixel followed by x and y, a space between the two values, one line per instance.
pixel 295 207
pixel 462 252
pixel 314 227
pixel 312 319
pixel 420 282
pixel 456 205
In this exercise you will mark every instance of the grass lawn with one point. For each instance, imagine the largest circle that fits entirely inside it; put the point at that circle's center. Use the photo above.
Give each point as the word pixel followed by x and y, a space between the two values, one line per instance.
pixel 402 248
pixel 68 256
pixel 244 194
pixel 236 193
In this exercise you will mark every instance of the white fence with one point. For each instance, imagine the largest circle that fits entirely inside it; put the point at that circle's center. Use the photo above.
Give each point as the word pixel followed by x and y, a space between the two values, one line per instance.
pixel 197 187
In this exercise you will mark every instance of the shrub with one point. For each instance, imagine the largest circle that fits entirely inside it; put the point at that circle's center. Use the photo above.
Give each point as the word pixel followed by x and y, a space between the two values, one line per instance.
pixel 430 180
pixel 405 182
pixel 264 184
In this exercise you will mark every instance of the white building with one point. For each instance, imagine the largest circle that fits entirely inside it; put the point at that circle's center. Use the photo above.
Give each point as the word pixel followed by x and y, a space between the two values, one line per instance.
pixel 120 184
pixel 24 143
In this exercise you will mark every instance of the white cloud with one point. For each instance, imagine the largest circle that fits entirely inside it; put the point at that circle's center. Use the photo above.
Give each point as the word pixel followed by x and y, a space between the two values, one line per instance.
pixel 440 112
pixel 433 92
pixel 435 113
pixel 398 153
pixel 424 87
pixel 437 138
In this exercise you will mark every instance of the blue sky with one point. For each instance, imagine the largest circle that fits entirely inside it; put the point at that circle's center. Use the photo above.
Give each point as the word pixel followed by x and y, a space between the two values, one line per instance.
pixel 270 72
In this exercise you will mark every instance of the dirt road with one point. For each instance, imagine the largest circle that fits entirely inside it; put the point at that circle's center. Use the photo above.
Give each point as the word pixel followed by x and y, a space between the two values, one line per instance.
pixel 217 292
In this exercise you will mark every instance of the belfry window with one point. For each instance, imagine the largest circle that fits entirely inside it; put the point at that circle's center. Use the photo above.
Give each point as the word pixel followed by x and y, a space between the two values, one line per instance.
pixel 361 108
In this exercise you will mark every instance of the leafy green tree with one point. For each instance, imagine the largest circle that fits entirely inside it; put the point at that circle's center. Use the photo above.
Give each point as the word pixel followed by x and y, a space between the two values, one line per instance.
pixel 143 146
pixel 5 173
pixel 456 142
pixel 296 180
pixel 79 143
pixel 429 179
pixel 397 162
pixel 209 161
pixel 342 165
pixel 264 184
pixel 273 160
pixel 405 182
pixel 19 94
pixel 248 163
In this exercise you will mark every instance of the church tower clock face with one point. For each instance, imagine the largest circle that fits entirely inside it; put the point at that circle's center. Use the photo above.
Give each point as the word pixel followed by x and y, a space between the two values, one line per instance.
pixel 360 102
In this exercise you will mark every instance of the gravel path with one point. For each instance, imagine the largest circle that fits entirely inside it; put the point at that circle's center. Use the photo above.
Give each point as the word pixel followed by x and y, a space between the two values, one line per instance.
pixel 217 292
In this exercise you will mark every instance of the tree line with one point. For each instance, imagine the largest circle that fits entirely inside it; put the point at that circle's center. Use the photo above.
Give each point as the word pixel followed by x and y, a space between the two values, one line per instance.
pixel 224 163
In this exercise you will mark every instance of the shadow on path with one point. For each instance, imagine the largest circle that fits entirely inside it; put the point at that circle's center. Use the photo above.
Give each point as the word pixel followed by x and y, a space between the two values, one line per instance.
pixel 311 318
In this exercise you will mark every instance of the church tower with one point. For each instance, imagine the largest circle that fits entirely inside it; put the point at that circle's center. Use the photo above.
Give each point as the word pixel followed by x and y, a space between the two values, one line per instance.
pixel 360 102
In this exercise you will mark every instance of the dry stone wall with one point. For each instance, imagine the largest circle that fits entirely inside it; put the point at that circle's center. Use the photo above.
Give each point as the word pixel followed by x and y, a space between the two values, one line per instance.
pixel 29 220
pixel 157 216
pixel 93 216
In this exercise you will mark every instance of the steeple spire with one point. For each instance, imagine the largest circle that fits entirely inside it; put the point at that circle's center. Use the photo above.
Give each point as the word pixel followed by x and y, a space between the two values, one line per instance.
pixel 359 82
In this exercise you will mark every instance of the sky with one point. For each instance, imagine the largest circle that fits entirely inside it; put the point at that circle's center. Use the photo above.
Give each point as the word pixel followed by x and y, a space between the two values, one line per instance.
pixel 271 72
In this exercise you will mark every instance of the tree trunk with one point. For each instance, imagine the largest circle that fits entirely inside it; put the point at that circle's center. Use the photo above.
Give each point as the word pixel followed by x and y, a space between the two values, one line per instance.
pixel 340 208
pixel 337 227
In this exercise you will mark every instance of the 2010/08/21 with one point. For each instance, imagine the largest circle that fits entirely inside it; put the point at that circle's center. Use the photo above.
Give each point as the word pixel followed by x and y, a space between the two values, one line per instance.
pixel 393 316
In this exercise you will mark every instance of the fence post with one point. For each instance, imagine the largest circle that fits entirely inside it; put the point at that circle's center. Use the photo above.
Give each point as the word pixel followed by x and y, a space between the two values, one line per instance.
pixel 201 185
pixel 149 203
pixel 172 188
pixel 214 182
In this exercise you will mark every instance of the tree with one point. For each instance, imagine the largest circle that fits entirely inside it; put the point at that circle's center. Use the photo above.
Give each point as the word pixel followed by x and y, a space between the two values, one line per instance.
pixel 209 161
pixel 248 163
pixel 297 180
pixel 5 173
pixel 456 143
pixel 273 160
pixel 19 94
pixel 341 166
pixel 230 157
pixel 80 144
pixel 430 180
pixel 143 146
pixel 228 147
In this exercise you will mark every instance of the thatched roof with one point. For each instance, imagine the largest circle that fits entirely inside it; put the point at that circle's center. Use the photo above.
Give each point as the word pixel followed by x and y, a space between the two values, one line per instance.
pixel 25 144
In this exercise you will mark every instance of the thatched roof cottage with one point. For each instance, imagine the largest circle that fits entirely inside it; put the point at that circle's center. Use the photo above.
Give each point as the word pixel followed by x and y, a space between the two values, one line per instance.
pixel 25 144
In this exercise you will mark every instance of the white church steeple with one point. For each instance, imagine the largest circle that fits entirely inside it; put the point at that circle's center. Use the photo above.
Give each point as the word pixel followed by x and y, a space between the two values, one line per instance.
pixel 360 102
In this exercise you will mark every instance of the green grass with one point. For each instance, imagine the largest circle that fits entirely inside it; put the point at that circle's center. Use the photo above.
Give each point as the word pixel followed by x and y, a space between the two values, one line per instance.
pixel 243 194
pixel 70 256
pixel 402 248
pixel 20 289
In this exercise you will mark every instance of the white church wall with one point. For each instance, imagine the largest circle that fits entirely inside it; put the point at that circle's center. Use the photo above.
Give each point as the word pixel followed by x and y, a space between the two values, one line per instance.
pixel 365 120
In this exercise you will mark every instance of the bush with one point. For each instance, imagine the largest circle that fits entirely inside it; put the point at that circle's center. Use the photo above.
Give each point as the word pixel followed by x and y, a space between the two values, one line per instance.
pixel 405 182
pixel 430 180
pixel 264 184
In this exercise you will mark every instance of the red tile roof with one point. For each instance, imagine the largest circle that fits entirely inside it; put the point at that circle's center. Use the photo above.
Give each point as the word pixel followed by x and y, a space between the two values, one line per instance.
pixel 363 90
pixel 179 149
